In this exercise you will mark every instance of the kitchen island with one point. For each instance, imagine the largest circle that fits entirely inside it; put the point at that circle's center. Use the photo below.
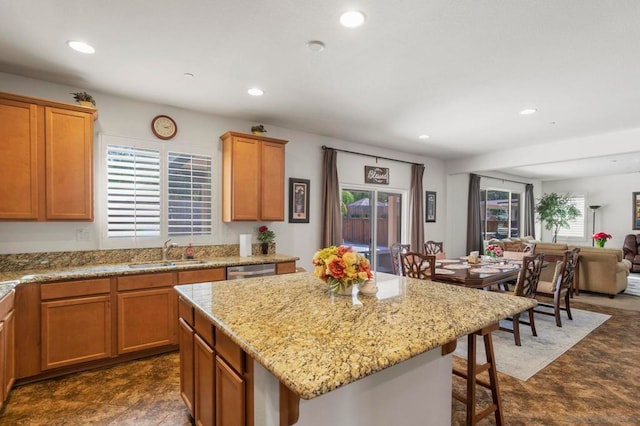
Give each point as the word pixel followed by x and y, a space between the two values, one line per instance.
pixel 352 360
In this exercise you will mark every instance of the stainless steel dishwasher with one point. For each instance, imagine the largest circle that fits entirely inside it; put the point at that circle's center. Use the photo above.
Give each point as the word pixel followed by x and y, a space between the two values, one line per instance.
pixel 250 271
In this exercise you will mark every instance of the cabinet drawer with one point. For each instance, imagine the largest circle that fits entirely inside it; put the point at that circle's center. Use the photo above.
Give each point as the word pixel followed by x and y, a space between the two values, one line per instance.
pixel 285 268
pixel 204 327
pixel 230 351
pixel 7 302
pixel 135 282
pixel 185 311
pixel 202 275
pixel 75 288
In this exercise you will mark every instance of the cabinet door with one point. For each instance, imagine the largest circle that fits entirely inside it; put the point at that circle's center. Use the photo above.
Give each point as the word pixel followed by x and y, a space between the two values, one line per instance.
pixel 187 365
pixel 9 352
pixel 245 179
pixel 230 395
pixel 20 143
pixel 69 164
pixel 3 393
pixel 204 383
pixel 147 319
pixel 272 189
pixel 75 330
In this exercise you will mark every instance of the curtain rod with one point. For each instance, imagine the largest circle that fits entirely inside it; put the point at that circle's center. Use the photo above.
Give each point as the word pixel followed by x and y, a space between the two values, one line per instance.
pixel 504 180
pixel 372 156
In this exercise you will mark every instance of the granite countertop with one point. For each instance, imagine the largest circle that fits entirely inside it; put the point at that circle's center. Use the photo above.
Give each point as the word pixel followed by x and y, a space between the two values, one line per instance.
pixel 107 270
pixel 314 342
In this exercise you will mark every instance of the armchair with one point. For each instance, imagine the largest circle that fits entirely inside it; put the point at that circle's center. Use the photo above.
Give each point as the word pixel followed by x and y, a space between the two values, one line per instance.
pixel 631 250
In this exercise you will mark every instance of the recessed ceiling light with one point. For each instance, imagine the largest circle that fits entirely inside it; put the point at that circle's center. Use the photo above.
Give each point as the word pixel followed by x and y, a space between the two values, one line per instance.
pixel 188 74
pixel 81 46
pixel 352 19
pixel 528 111
pixel 254 91
pixel 315 46
pixel 424 137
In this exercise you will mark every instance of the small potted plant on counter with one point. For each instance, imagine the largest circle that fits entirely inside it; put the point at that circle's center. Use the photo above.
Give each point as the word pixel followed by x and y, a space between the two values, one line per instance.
pixel 84 99
pixel 266 237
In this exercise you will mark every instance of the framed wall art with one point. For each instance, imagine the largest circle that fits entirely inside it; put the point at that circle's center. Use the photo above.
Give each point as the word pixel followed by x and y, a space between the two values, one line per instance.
pixel 298 200
pixel 430 206
pixel 636 211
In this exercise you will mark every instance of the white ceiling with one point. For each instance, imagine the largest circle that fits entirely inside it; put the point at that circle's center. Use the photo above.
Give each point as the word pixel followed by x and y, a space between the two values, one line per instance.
pixel 459 70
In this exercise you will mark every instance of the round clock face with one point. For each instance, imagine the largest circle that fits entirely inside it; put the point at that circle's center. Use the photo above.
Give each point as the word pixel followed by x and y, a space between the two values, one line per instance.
pixel 164 127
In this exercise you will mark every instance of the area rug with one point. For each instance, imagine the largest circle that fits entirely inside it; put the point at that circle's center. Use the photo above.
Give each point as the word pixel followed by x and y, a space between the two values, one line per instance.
pixel 633 285
pixel 522 362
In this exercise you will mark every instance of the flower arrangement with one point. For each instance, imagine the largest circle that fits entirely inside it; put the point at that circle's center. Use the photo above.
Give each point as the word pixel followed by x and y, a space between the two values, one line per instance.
pixel 341 267
pixel 493 250
pixel 265 235
pixel 601 238
pixel 259 129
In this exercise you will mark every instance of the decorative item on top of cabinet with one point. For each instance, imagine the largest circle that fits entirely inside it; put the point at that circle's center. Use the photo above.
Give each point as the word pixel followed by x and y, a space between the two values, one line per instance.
pixel 46 168
pixel 252 178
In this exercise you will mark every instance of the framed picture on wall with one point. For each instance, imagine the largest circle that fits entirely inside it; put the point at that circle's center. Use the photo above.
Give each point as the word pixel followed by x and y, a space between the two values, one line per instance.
pixel 636 211
pixel 298 200
pixel 430 206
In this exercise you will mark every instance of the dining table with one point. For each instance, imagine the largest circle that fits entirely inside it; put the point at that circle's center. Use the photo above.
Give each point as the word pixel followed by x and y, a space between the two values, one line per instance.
pixel 482 275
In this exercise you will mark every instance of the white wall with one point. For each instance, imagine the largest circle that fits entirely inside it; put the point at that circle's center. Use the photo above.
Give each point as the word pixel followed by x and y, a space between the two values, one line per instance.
pixel 613 193
pixel 131 118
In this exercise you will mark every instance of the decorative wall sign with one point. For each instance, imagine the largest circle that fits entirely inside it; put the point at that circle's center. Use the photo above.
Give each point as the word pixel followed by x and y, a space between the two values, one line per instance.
pixel 636 210
pixel 298 200
pixel 376 175
pixel 430 206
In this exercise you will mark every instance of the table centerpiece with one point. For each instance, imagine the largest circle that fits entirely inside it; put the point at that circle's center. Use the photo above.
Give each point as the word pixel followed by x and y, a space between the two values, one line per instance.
pixel 340 267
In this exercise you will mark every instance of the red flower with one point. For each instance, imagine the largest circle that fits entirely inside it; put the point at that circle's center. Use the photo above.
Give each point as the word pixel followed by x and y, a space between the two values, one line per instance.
pixel 601 236
pixel 337 267
pixel 263 229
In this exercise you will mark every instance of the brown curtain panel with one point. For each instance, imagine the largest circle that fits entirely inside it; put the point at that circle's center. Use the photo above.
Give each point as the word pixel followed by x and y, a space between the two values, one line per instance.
pixel 331 212
pixel 416 207
pixel 529 212
pixel 474 222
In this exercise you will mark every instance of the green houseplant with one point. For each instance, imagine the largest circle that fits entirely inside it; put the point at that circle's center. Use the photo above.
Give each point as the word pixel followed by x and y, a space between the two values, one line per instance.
pixel 83 98
pixel 556 211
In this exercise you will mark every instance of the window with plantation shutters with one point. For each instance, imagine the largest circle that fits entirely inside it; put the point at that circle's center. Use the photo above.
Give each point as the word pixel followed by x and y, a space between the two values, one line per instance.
pixel 189 194
pixel 576 226
pixel 133 192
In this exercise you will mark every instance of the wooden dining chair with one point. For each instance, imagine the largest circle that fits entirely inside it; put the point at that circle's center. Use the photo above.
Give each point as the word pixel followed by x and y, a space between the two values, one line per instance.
pixel 526 286
pixel 418 265
pixel 394 250
pixel 433 247
pixel 560 287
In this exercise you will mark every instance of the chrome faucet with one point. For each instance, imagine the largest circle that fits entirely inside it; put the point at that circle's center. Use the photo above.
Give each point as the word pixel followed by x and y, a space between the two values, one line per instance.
pixel 165 248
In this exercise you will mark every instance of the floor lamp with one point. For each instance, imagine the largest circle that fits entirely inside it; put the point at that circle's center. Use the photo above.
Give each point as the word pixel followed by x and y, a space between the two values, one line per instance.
pixel 593 209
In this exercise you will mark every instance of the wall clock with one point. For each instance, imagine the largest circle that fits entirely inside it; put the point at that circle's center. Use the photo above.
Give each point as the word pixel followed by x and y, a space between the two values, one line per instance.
pixel 164 127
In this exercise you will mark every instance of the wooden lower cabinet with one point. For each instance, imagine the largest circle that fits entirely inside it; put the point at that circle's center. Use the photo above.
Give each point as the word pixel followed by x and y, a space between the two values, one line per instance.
pixel 147 319
pixel 230 395
pixel 187 365
pixel 222 388
pixel 75 330
pixel 7 346
pixel 204 360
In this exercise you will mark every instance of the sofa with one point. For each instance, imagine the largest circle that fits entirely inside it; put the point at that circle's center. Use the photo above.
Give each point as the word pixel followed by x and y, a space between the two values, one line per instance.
pixel 630 249
pixel 600 270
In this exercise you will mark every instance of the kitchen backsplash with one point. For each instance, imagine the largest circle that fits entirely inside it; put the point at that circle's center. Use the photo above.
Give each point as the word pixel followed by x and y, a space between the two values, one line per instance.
pixel 65 259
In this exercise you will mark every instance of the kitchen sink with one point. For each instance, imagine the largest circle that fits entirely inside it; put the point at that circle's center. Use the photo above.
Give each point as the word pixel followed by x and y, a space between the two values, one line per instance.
pixel 165 263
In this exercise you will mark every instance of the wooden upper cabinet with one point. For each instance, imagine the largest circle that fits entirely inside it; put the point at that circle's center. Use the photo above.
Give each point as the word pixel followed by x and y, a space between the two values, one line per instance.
pixel 252 178
pixel 69 164
pixel 21 144
pixel 46 167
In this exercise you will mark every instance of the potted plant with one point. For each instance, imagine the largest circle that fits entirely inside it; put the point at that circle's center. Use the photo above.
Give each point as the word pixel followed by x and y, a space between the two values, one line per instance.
pixel 258 130
pixel 266 237
pixel 556 211
pixel 84 99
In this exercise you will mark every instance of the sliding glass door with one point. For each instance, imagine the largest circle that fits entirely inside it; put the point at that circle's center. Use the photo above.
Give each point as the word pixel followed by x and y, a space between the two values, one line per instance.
pixel 371 222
